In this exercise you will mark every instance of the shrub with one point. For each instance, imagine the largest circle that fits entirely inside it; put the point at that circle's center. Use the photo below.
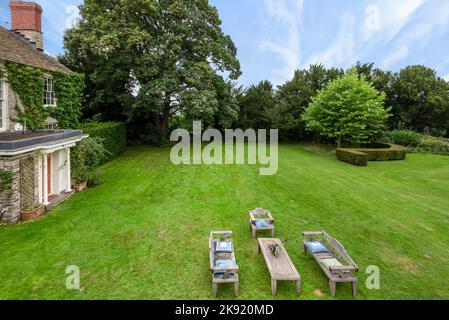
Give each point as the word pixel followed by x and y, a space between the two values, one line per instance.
pixel 387 153
pixel 354 157
pixel 379 152
pixel 85 157
pixel 112 135
pixel 406 138
pixel 433 145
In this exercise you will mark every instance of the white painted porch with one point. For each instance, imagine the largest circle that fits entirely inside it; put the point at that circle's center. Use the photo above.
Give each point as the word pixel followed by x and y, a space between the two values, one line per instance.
pixel 54 175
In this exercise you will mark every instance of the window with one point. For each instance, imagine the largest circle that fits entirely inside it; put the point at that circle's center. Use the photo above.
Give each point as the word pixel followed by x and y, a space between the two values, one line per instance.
pixel 51 126
pixel 2 105
pixel 49 94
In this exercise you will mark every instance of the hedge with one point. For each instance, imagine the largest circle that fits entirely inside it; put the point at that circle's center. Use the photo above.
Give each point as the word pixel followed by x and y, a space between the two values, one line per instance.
pixel 387 153
pixel 113 135
pixel 382 152
pixel 354 157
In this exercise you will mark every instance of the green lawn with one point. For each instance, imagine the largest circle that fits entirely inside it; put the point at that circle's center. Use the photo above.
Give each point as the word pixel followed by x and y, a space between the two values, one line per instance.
pixel 143 233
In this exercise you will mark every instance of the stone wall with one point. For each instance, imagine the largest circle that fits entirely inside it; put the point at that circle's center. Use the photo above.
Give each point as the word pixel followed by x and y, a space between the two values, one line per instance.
pixel 10 199
pixel 13 102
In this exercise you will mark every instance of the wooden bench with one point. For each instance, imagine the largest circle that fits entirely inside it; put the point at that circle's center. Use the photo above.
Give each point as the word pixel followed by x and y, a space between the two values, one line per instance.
pixel 223 274
pixel 342 273
pixel 281 268
pixel 260 214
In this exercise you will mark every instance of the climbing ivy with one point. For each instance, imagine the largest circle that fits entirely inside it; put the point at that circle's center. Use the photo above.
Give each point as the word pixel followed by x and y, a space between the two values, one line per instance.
pixel 28 83
pixel 5 180
pixel 68 90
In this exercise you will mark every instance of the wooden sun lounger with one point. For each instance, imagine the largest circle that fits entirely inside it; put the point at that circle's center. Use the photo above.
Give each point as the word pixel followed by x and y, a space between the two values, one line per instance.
pixel 260 214
pixel 222 274
pixel 281 268
pixel 336 251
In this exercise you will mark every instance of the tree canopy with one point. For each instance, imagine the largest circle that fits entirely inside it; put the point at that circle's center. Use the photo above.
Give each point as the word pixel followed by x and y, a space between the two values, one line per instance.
pixel 149 59
pixel 349 110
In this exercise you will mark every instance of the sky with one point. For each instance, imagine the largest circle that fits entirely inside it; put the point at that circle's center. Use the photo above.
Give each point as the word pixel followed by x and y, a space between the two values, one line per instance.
pixel 276 37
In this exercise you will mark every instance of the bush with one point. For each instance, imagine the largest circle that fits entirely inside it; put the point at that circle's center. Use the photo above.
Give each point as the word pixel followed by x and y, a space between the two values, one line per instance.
pixel 430 144
pixel 379 152
pixel 354 157
pixel 387 153
pixel 112 135
pixel 406 138
pixel 85 157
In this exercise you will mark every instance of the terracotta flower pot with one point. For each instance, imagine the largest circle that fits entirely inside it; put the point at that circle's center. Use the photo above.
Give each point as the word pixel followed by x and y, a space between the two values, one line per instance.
pixel 34 214
pixel 80 186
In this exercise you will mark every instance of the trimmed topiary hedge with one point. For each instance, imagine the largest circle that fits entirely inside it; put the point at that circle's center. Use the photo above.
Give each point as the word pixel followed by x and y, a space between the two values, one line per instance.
pixel 112 134
pixel 354 157
pixel 381 152
pixel 386 153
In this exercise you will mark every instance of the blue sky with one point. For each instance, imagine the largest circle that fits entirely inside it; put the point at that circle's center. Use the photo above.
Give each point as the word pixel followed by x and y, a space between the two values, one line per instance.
pixel 275 37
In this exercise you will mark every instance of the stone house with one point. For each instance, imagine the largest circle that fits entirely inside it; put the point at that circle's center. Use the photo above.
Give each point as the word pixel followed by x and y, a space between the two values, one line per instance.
pixel 36 164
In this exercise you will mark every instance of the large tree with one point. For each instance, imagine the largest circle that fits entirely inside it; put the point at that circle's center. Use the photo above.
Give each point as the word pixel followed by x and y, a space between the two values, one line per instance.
pixel 150 59
pixel 422 99
pixel 294 96
pixel 256 104
pixel 348 110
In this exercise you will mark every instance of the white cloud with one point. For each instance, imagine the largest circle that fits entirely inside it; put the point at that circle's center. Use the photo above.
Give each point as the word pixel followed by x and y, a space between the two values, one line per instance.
pixel 381 23
pixel 288 12
pixel 400 53
pixel 446 77
pixel 419 34
pixel 341 50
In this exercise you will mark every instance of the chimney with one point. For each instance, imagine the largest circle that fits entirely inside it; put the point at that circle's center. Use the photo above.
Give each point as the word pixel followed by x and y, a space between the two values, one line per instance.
pixel 26 20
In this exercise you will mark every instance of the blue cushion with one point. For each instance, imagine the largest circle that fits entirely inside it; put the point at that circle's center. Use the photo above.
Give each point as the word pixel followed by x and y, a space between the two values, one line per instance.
pixel 316 247
pixel 260 223
pixel 223 263
pixel 223 246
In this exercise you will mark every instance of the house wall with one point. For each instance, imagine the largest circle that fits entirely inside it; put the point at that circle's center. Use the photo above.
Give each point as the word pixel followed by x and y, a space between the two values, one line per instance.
pixel 10 199
pixel 13 101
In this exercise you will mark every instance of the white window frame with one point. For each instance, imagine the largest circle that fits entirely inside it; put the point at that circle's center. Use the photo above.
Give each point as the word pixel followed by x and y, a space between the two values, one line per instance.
pixel 55 101
pixel 4 124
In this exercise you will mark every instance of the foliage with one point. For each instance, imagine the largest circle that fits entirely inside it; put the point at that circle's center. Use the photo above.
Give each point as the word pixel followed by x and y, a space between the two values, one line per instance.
pixel 406 138
pixel 85 157
pixel 353 157
pixel 111 134
pixel 375 152
pixel 219 111
pixel 256 104
pixel 384 152
pixel 422 99
pixel 28 83
pixel 349 109
pixel 68 89
pixel 5 180
pixel 154 66
pixel 293 97
pixel 430 144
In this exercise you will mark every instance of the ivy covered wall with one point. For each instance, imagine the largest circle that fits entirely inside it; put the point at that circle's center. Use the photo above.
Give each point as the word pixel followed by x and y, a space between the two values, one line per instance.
pixel 28 83
pixel 69 90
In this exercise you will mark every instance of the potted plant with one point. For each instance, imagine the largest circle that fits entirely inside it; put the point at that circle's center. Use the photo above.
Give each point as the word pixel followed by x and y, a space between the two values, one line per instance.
pixel 32 212
pixel 85 158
